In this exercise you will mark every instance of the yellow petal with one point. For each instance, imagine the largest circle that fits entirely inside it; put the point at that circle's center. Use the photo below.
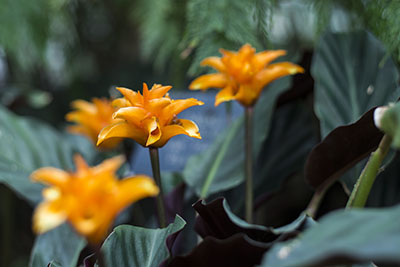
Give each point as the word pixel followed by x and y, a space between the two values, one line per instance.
pixel 158 104
pixel 110 165
pixel 247 95
pixel 273 72
pixel 265 57
pixel 153 129
pixel 80 163
pixel 224 95
pixel 130 95
pixel 176 107
pixel 214 62
pixel 84 106
pixel 120 103
pixel 186 127
pixel 50 176
pixel 51 193
pixel 47 216
pixel 133 115
pixel 135 188
pixel 158 91
pixel 215 80
pixel 122 130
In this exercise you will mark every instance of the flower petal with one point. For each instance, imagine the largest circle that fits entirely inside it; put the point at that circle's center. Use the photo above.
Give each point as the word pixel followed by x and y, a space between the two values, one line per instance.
pixel 83 106
pixel 273 72
pixel 133 115
pixel 260 60
pixel 80 163
pixel 186 127
pixel 215 80
pixel 120 103
pixel 247 95
pixel 47 216
pixel 226 94
pixel 158 91
pixel 122 130
pixel 110 165
pixel 153 129
pixel 176 107
pixel 133 97
pixel 50 176
pixel 134 188
pixel 214 62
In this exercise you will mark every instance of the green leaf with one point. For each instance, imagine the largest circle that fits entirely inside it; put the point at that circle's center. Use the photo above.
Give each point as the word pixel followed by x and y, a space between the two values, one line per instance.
pixel 352 74
pixel 28 144
pixel 135 246
pixel 221 166
pixel 61 245
pixel 343 237
pixel 54 264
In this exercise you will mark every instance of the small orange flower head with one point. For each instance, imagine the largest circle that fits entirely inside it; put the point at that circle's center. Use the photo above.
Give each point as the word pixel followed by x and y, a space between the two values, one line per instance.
pixel 89 198
pixel 242 75
pixel 90 118
pixel 150 119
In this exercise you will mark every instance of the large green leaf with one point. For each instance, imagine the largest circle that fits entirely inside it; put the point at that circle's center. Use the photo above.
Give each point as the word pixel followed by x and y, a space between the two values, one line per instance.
pixel 28 144
pixel 61 245
pixel 221 166
pixel 135 246
pixel 343 237
pixel 352 74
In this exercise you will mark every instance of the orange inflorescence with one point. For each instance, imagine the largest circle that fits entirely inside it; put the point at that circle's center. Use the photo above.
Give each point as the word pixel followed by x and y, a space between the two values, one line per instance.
pixel 150 119
pixel 91 117
pixel 242 75
pixel 89 198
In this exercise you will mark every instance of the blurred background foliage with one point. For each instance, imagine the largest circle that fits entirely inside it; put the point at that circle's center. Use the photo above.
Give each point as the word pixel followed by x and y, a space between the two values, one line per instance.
pixel 55 51
pixel 50 47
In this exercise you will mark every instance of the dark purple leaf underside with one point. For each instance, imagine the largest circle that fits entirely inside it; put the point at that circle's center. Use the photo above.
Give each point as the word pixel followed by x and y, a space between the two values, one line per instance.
pixel 341 149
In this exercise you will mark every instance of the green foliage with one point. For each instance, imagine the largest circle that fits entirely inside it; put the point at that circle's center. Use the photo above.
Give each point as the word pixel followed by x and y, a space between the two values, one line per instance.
pixel 229 24
pixel 343 237
pixel 26 27
pixel 28 144
pixel 60 246
pixel 135 246
pixel 352 76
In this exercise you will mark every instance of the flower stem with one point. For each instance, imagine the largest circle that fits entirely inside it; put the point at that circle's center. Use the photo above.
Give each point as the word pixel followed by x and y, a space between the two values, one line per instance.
pixel 249 163
pixel 361 190
pixel 155 165
pixel 317 198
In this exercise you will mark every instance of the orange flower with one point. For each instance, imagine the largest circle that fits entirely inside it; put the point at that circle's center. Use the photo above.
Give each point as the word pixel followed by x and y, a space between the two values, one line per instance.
pixel 243 74
pixel 150 119
pixel 90 118
pixel 89 198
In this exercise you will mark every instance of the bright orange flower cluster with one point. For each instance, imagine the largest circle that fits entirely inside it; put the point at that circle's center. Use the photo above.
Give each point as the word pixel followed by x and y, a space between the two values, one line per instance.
pixel 150 119
pixel 89 198
pixel 243 74
pixel 91 117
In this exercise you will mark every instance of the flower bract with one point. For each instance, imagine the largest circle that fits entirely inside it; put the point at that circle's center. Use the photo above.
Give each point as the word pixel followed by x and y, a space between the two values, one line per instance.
pixel 89 198
pixel 242 75
pixel 91 118
pixel 150 118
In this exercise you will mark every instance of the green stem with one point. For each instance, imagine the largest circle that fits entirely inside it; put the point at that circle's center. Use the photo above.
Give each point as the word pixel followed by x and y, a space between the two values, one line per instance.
pixel 249 163
pixel 361 190
pixel 317 198
pixel 155 165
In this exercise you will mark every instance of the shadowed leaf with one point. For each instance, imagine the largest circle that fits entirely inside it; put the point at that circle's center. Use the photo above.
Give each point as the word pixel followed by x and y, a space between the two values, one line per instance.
pixel 343 237
pixel 341 149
